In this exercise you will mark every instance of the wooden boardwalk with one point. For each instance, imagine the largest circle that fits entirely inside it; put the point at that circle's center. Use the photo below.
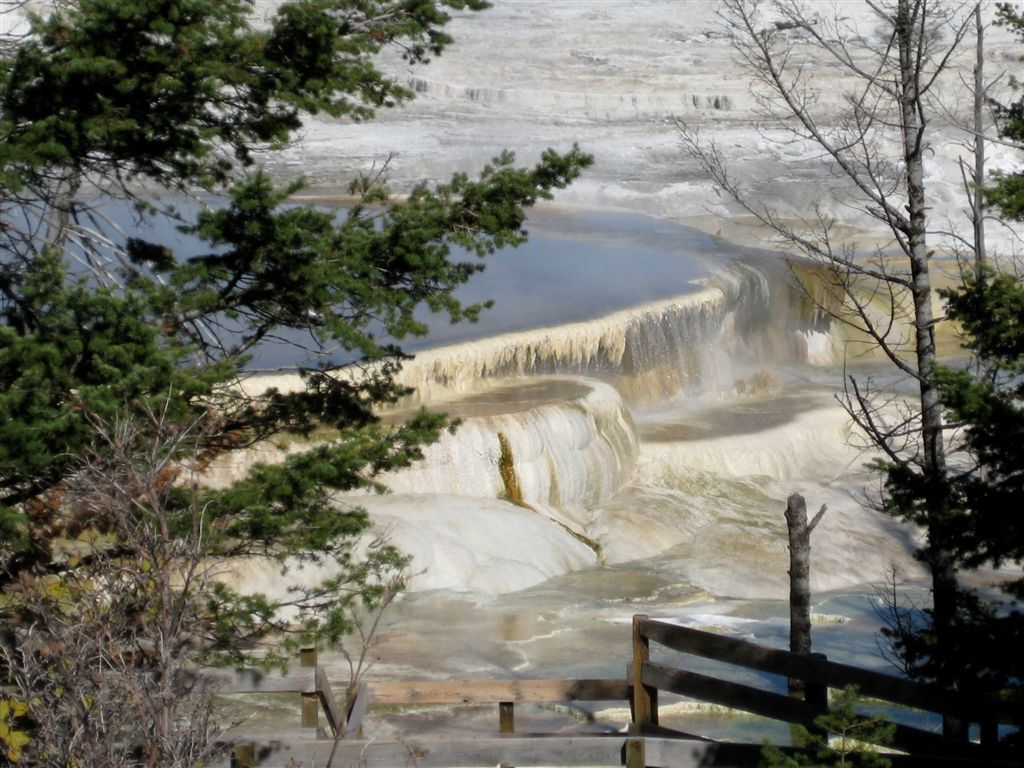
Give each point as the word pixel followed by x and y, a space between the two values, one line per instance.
pixel 643 742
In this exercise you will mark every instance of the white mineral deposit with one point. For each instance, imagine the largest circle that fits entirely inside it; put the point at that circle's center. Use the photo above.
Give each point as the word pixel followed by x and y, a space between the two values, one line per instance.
pixel 625 446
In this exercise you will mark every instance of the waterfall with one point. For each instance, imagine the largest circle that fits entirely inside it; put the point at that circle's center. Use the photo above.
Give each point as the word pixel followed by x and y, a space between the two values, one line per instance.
pixel 548 471
pixel 745 314
pixel 572 455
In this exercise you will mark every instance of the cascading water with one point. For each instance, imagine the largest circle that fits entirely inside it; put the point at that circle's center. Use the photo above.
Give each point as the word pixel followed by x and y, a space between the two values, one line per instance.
pixel 638 461
pixel 694 343
pixel 729 410
pixel 573 455
pixel 638 477
pixel 547 426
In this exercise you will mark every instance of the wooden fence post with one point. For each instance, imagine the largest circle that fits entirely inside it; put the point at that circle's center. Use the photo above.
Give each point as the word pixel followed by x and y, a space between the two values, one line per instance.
pixel 507 716
pixel 244 756
pixel 310 701
pixel 636 756
pixel 645 700
pixel 990 732
pixel 816 695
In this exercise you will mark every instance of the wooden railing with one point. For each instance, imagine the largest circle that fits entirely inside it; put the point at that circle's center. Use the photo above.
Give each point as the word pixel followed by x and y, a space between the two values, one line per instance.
pixel 346 748
pixel 505 693
pixel 647 742
pixel 818 675
pixel 310 682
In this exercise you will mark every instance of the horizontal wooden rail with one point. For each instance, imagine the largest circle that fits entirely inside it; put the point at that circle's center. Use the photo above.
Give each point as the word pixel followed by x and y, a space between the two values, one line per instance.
pixel 657 747
pixel 727 694
pixel 782 707
pixel 313 681
pixel 823 672
pixel 495 691
pixel 310 681
pixel 504 693
pixel 231 681
pixel 450 752
pixel 816 675
pixel 646 745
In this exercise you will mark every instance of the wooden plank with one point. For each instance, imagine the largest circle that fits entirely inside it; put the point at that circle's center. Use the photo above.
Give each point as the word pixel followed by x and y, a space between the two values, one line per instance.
pixel 676 753
pixel 310 716
pixel 507 717
pixel 257 681
pixel 308 656
pixel 644 707
pixel 310 701
pixel 494 691
pixel 327 700
pixel 451 753
pixel 728 694
pixel 779 707
pixel 244 756
pixel 546 751
pixel 814 694
pixel 830 673
pixel 686 753
pixel 636 753
pixel 354 720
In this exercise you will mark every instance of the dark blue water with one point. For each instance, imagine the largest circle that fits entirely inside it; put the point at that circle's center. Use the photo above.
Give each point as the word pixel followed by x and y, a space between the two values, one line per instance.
pixel 576 265
pixel 579 265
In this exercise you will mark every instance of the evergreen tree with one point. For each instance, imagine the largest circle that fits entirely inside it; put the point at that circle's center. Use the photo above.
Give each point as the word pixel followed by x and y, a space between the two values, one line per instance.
pixel 1005 190
pixel 984 403
pixel 985 488
pixel 990 406
pixel 842 736
pixel 104 333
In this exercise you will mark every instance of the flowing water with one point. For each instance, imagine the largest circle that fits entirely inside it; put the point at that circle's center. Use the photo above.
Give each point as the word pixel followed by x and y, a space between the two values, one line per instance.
pixel 620 455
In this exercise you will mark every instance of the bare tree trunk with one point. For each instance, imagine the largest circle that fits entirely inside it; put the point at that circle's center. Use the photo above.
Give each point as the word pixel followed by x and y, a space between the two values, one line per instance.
pixel 892 91
pixel 938 553
pixel 799 578
pixel 977 203
pixel 59 210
